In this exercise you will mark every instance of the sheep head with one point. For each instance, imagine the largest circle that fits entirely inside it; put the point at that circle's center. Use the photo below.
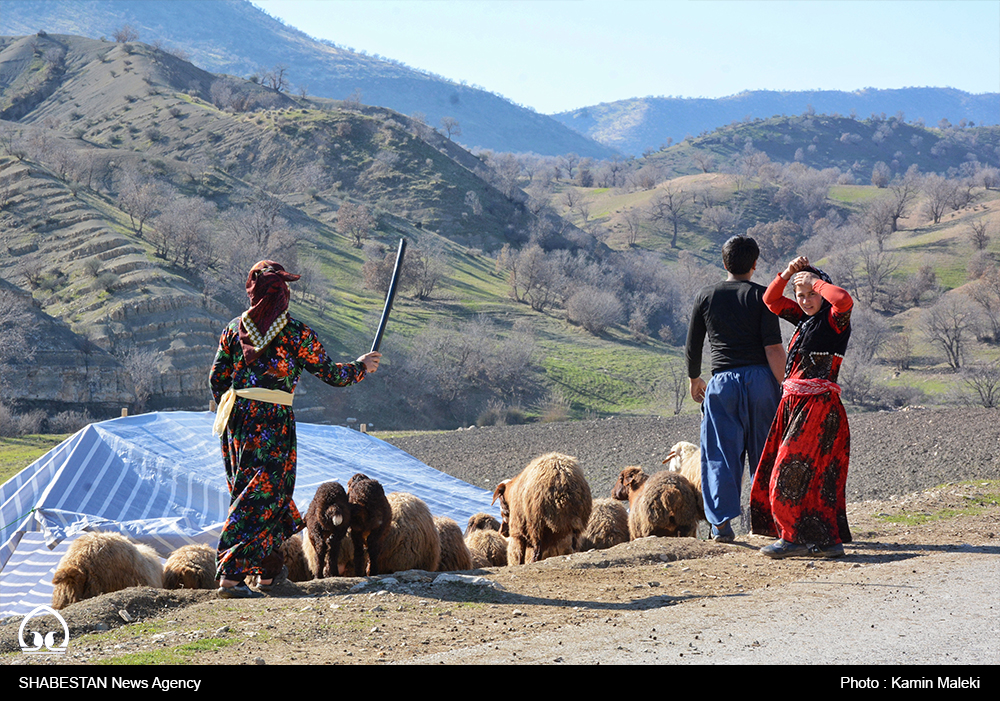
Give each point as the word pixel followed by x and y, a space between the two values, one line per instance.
pixel 678 454
pixel 500 493
pixel 629 482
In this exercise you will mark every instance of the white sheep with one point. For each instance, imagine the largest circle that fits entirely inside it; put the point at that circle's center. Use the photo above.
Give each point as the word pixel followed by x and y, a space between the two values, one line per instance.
pixel 685 458
pixel 544 507
pixel 97 563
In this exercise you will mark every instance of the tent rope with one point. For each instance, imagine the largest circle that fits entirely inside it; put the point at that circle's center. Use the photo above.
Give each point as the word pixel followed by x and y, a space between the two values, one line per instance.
pixel 18 519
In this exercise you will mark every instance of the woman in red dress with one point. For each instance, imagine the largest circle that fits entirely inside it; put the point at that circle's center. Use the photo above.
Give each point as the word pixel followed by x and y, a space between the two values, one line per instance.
pixel 798 492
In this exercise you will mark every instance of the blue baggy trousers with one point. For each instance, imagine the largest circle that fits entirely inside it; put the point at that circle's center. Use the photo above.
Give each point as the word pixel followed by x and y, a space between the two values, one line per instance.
pixel 737 412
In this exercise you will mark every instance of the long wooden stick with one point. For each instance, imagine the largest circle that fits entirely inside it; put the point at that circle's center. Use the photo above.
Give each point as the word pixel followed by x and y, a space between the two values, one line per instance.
pixel 390 295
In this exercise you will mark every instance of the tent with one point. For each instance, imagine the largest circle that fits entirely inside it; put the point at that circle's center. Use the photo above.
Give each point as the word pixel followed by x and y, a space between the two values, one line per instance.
pixel 159 479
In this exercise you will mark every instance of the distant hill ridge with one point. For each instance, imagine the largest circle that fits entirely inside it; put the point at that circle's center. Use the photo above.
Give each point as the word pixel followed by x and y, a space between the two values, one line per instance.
pixel 238 38
pixel 634 125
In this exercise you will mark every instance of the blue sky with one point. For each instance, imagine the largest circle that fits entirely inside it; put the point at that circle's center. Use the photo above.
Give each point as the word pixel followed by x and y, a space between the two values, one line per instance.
pixel 556 55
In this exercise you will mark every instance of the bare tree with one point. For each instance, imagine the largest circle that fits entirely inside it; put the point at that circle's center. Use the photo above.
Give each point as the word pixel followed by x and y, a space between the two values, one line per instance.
pixel 356 221
pixel 142 367
pixel 940 194
pixel 451 127
pixel 669 206
pixel 979 233
pixel 902 192
pixel 881 175
pixel 982 380
pixel 986 293
pixel 631 221
pixel 869 332
pixel 898 350
pixel 139 195
pixel 676 381
pixel 594 309
pixel 874 275
pixel 950 325
pixel 125 33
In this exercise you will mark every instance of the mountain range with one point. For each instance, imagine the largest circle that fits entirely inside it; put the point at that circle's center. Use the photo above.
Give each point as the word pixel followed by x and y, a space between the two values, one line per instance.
pixel 238 38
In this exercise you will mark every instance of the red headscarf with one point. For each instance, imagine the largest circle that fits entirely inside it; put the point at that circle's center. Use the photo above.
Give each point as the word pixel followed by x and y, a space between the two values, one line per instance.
pixel 268 292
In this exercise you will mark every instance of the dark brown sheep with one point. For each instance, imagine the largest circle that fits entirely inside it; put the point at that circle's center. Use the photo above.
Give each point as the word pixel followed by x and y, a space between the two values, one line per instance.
pixel 664 504
pixel 544 507
pixel 371 515
pixel 327 521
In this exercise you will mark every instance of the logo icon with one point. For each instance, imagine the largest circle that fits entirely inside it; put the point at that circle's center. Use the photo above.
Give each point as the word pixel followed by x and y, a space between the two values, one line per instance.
pixel 43 645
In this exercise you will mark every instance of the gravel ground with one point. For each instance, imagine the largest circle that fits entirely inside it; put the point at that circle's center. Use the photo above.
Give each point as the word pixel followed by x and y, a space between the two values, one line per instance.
pixel 921 590
pixel 892 453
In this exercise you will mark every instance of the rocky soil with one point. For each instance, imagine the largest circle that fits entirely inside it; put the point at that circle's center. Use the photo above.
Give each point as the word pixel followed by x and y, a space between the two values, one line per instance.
pixel 910 517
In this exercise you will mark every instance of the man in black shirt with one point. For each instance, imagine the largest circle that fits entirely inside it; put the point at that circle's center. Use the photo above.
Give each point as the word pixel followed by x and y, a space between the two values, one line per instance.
pixel 748 365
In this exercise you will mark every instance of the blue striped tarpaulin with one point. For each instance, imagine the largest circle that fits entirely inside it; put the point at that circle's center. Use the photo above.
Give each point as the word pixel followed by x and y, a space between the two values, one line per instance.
pixel 159 479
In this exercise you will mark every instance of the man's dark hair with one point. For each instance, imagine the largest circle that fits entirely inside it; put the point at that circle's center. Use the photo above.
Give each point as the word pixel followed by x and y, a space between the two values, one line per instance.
pixel 739 254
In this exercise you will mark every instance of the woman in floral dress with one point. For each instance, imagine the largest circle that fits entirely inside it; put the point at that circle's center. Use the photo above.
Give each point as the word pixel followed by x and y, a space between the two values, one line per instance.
pixel 261 355
pixel 798 491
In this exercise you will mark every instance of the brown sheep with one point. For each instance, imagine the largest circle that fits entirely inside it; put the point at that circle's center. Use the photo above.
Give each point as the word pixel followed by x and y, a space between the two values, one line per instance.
pixel 371 515
pixel 482 522
pixel 685 458
pixel 345 563
pixel 191 567
pixel 327 521
pixel 488 548
pixel 607 527
pixel 455 554
pixel 549 501
pixel 411 541
pixel 664 504
pixel 97 563
pixel 293 551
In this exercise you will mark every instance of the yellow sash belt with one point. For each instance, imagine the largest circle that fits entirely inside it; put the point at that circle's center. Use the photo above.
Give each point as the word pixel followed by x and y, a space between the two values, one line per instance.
pixel 271 396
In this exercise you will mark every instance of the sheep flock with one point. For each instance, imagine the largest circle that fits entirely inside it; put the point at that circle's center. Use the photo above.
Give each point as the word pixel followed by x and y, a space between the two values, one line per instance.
pixel 546 510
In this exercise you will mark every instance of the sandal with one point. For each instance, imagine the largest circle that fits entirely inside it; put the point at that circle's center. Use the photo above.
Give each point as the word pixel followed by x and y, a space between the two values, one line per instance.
pixel 239 591
pixel 782 548
pixel 835 550
pixel 277 579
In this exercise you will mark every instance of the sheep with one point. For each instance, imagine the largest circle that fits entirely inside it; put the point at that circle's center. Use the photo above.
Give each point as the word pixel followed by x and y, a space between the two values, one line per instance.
pixel 411 541
pixel 548 501
pixel 685 458
pixel 607 527
pixel 371 515
pixel 191 567
pixel 664 504
pixel 345 563
pixel 488 548
pixel 327 520
pixel 455 554
pixel 97 563
pixel 480 522
pixel 293 550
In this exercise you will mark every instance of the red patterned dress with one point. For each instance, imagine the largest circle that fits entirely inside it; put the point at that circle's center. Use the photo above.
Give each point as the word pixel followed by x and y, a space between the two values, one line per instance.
pixel 258 444
pixel 798 491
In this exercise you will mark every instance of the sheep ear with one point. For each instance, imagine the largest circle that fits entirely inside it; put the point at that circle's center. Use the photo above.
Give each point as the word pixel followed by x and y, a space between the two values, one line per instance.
pixel 498 492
